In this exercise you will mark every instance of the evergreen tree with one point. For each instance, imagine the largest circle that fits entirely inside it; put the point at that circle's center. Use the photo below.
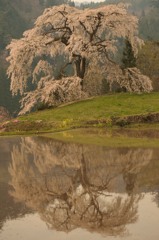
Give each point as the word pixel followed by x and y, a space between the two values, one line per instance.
pixel 50 3
pixel 128 59
pixel 155 3
pixel 71 3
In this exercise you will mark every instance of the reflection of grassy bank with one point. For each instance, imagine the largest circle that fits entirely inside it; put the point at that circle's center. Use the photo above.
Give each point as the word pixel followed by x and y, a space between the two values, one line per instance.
pixel 120 110
pixel 111 138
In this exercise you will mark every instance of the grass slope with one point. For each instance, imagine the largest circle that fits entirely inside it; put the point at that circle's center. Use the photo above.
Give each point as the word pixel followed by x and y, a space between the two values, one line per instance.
pixel 98 112
pixel 102 107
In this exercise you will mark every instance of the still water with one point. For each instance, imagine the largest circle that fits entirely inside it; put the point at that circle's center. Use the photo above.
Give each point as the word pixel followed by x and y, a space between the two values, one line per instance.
pixel 51 189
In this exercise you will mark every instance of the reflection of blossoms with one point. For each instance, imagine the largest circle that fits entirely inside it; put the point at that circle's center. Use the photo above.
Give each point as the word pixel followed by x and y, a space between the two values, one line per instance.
pixel 71 185
pixel 109 213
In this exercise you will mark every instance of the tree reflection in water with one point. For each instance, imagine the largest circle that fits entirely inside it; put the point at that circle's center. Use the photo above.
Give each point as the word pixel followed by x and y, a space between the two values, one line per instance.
pixel 73 185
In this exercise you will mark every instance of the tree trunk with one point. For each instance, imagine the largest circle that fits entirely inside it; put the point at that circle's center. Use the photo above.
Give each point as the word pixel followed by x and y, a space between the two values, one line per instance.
pixel 80 66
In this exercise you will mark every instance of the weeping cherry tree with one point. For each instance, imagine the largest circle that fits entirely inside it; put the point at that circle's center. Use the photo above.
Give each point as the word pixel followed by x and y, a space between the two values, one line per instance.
pixel 80 37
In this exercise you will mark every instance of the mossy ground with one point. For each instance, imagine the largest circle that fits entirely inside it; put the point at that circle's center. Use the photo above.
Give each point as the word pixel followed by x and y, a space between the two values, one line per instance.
pixel 95 112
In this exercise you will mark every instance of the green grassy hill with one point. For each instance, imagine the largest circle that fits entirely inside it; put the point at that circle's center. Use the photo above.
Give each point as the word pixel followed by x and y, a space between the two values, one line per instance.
pixel 121 110
pixel 110 105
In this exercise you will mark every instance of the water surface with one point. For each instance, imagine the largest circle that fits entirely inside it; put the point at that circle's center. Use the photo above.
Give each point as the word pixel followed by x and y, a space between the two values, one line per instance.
pixel 51 189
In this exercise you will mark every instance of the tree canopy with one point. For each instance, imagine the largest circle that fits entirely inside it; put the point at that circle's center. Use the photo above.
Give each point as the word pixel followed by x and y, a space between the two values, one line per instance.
pixel 81 37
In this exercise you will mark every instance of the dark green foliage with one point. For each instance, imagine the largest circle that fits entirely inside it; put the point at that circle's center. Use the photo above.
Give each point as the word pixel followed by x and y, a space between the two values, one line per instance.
pixel 6 99
pixel 148 24
pixel 42 106
pixel 49 3
pixel 71 3
pixel 11 24
pixel 155 3
pixel 148 62
pixel 128 60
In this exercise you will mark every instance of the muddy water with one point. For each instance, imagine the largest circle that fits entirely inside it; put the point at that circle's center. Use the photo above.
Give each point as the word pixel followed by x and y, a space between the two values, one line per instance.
pixel 51 189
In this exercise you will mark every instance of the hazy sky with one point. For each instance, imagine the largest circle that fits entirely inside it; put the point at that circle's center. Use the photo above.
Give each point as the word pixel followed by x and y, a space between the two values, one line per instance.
pixel 88 1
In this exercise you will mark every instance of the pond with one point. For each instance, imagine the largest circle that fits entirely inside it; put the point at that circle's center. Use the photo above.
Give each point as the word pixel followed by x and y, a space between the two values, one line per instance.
pixel 53 189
